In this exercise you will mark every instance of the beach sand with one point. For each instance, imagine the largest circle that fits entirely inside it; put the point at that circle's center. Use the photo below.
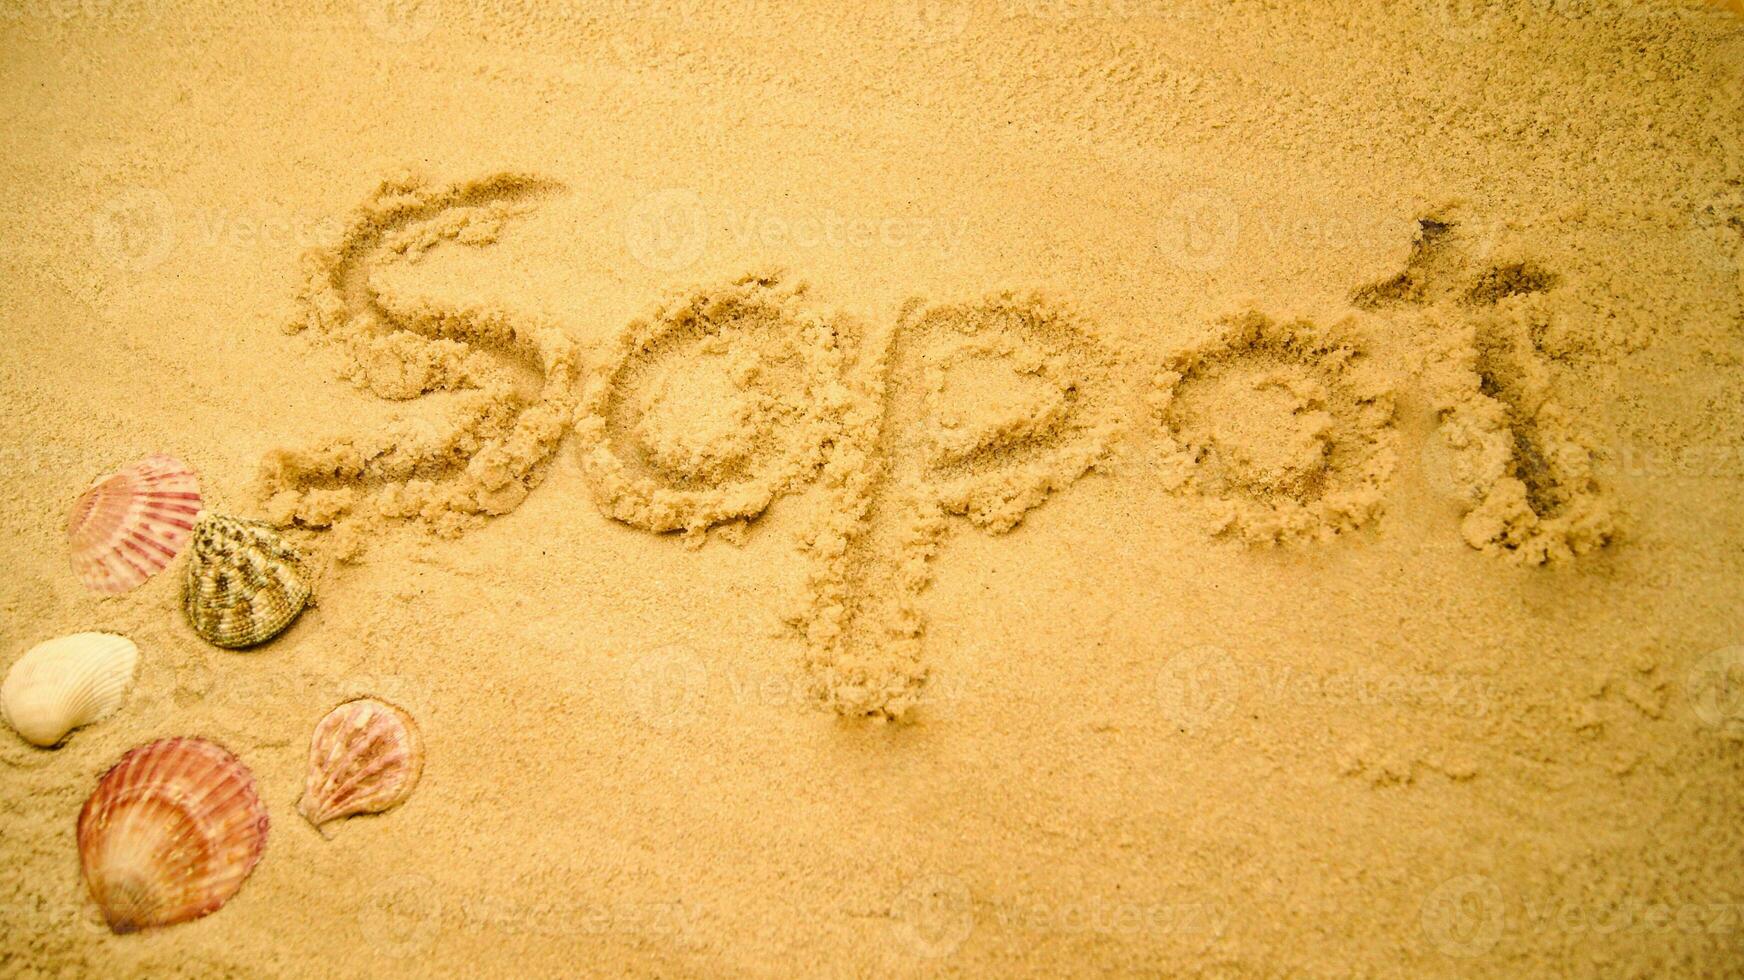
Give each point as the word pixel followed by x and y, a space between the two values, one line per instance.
pixel 927 487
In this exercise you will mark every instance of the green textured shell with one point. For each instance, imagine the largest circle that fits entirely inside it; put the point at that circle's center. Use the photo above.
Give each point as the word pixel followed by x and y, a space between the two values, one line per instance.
pixel 244 584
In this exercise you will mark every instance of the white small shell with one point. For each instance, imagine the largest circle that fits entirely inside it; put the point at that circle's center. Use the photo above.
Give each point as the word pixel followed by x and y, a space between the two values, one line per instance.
pixel 62 684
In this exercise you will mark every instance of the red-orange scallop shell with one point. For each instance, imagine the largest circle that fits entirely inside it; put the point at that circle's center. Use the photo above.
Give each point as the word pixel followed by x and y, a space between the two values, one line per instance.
pixel 170 834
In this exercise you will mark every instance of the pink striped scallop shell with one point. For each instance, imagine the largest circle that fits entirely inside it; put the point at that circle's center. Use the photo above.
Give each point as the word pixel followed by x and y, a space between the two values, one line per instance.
pixel 365 757
pixel 131 524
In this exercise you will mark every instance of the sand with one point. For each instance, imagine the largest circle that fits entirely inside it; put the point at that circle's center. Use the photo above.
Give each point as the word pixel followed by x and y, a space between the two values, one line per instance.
pixel 911 488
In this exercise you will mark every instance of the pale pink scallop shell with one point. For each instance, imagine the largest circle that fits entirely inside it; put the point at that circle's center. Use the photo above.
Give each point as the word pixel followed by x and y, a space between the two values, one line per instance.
pixel 170 833
pixel 365 757
pixel 132 523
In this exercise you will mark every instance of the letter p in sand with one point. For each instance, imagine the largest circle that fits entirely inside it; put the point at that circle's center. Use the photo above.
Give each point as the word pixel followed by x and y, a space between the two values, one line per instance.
pixel 720 403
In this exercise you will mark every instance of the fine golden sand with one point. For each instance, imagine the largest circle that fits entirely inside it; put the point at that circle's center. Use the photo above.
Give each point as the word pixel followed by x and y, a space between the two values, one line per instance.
pixel 1026 487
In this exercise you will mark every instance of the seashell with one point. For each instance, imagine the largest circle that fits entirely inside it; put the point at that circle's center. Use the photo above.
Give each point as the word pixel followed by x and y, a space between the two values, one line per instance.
pixel 170 833
pixel 132 523
pixel 244 584
pixel 61 684
pixel 365 757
